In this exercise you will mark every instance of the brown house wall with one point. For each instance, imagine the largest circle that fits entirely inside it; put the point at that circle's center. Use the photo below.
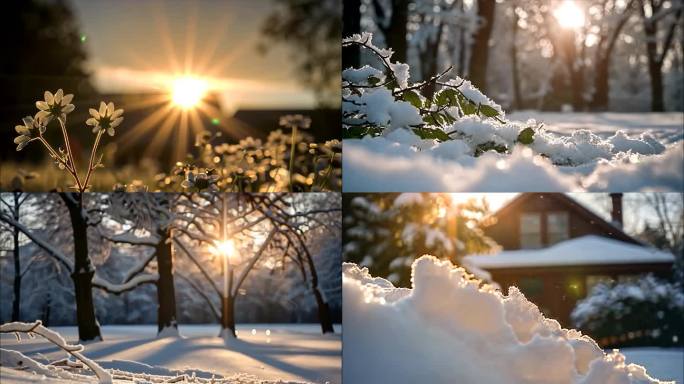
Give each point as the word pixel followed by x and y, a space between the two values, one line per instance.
pixel 558 297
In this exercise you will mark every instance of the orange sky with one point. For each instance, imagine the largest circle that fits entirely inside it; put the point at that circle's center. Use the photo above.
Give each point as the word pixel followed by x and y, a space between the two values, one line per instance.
pixel 142 50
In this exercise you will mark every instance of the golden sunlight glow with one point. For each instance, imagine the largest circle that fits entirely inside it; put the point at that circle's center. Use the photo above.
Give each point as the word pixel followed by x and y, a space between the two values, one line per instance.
pixel 224 248
pixel 187 92
pixel 569 15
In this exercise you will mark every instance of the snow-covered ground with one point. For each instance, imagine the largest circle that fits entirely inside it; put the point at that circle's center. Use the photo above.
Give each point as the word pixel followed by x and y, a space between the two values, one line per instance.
pixel 297 353
pixel 448 328
pixel 628 152
pixel 663 363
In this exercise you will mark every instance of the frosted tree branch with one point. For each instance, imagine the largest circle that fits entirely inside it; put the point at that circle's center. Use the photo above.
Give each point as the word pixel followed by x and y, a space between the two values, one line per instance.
pixel 37 328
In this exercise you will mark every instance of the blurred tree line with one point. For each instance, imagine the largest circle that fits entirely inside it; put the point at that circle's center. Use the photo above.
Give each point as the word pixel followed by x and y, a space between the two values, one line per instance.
pixel 625 55
pixel 44 50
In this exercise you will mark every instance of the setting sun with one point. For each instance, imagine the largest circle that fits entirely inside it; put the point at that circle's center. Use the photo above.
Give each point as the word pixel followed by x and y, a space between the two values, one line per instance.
pixel 225 248
pixel 187 92
pixel 569 15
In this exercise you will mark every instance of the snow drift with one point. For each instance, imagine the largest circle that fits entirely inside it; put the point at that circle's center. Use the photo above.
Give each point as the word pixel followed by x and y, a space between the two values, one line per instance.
pixel 451 329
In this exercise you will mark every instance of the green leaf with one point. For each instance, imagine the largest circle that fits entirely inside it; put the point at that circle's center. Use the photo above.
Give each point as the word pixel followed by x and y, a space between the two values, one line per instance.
pixel 490 146
pixel 526 136
pixel 431 133
pixel 413 98
pixel 488 111
pixel 446 97
pixel 357 132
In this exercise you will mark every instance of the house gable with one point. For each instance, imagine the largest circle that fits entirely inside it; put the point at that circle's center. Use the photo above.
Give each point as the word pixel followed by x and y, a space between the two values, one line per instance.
pixel 507 229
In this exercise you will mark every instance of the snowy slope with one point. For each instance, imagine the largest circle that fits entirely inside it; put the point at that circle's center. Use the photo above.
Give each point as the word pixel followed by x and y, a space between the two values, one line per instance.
pixel 296 353
pixel 628 152
pixel 448 329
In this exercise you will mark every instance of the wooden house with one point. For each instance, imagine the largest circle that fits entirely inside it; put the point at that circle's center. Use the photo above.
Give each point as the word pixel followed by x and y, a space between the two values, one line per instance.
pixel 555 250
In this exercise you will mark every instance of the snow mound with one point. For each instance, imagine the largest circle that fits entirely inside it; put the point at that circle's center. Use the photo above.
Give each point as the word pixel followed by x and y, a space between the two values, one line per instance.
pixel 451 329
pixel 400 161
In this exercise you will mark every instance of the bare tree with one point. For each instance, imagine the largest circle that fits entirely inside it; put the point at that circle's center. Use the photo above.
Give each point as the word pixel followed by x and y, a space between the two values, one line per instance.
pixel 479 56
pixel 658 43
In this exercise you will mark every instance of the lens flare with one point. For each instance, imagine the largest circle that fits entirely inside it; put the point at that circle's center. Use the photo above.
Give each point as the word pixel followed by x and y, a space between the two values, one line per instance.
pixel 187 92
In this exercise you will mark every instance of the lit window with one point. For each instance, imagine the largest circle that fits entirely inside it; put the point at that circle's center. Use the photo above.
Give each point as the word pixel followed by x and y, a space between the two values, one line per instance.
pixel 557 227
pixel 530 231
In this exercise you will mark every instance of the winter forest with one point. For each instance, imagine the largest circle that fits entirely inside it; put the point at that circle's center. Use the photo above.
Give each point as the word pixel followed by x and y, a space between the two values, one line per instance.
pixel 171 260
pixel 587 95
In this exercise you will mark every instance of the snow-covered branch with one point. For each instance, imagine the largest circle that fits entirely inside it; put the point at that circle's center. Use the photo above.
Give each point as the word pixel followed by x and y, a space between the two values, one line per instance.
pixel 131 238
pixel 37 328
pixel 252 262
pixel 49 248
pixel 138 280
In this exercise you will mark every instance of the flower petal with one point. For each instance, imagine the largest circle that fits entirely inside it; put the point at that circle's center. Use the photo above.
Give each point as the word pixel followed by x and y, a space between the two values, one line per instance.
pixel 28 121
pixel 22 130
pixel 49 98
pixel 21 145
pixel 117 113
pixel 68 108
pixel 21 139
pixel 42 115
pixel 58 96
pixel 42 105
pixel 94 113
pixel 96 128
pixel 91 121
pixel 110 131
pixel 110 108
pixel 103 108
pixel 67 99
pixel 116 122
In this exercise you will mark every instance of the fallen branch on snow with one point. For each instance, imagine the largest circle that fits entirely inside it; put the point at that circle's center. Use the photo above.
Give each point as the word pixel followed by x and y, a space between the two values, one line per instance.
pixel 55 338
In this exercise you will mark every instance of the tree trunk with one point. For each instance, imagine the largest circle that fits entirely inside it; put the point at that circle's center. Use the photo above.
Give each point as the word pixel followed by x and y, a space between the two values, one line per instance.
pixel 166 292
pixel 430 62
pixel 88 327
pixel 324 316
pixel 228 316
pixel 517 94
pixel 323 312
pixel 656 74
pixel 599 100
pixel 351 24
pixel 396 30
pixel 479 55
pixel 16 314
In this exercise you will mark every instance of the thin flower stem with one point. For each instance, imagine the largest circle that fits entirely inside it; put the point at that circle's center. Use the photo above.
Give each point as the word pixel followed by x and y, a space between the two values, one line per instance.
pixel 54 155
pixel 292 153
pixel 328 172
pixel 92 157
pixel 71 156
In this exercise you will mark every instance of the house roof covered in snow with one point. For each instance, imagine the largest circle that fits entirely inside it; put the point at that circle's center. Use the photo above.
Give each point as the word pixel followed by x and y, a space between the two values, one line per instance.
pixel 586 250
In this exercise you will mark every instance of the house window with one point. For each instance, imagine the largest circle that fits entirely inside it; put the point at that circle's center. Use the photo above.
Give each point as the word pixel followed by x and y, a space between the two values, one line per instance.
pixel 531 286
pixel 594 280
pixel 530 231
pixel 557 228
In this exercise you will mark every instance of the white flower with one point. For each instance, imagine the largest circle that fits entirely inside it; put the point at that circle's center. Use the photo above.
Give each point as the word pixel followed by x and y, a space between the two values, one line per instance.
pixel 57 105
pixel 107 118
pixel 28 132
pixel 292 121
